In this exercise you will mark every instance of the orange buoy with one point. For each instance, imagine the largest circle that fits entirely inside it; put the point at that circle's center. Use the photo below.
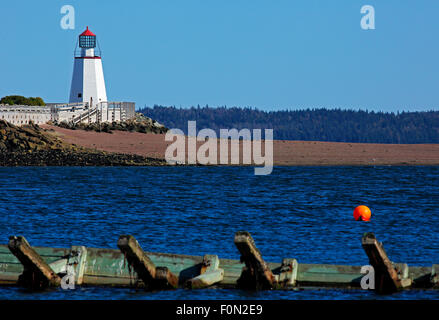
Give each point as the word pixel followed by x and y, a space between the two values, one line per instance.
pixel 362 213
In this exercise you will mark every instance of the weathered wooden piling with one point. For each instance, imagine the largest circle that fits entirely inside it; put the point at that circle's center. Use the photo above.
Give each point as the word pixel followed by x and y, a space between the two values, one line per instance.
pixel 256 274
pixel 37 273
pixel 165 279
pixel 388 276
pixel 435 276
pixel 288 273
pixel 210 273
pixel 78 260
pixel 153 278
pixel 136 258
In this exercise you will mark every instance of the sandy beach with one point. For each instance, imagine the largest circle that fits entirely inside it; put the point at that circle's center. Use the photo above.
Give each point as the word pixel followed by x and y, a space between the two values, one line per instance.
pixel 287 153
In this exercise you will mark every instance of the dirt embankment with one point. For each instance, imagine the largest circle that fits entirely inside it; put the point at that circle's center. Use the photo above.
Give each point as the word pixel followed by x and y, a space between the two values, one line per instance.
pixel 33 146
pixel 289 153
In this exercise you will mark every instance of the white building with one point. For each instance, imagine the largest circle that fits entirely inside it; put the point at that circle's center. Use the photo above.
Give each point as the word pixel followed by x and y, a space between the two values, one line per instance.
pixel 101 112
pixel 88 96
pixel 19 115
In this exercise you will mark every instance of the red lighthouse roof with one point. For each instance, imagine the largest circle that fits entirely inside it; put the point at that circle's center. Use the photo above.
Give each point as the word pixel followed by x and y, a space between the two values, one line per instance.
pixel 87 33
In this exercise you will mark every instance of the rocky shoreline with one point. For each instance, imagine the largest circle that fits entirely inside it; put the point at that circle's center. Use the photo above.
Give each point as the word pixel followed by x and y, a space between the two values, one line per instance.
pixel 32 146
pixel 74 158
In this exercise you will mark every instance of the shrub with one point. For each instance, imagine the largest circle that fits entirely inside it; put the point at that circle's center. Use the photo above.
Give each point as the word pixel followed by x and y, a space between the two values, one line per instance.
pixel 20 100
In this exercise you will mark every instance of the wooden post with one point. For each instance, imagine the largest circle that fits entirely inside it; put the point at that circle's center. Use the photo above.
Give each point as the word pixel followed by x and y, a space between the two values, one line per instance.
pixel 387 279
pixel 135 256
pixel 288 272
pixel 210 273
pixel 435 275
pixel 79 259
pixel 154 278
pixel 256 274
pixel 165 279
pixel 37 273
pixel 402 269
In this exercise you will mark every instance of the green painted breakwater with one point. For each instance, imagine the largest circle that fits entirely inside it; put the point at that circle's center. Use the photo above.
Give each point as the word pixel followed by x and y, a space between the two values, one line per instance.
pixel 130 266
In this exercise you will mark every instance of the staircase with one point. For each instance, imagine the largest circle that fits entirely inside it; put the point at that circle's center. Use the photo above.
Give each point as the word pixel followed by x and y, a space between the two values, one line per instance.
pixel 85 115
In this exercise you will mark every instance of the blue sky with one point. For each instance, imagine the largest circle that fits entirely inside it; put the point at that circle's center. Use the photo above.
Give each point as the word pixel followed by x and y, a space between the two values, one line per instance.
pixel 265 54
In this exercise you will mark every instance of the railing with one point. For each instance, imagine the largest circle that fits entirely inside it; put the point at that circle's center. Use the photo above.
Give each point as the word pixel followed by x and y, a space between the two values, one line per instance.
pixel 78 53
pixel 24 108
pixel 126 109
pixel 85 115
pixel 104 111
pixel 77 105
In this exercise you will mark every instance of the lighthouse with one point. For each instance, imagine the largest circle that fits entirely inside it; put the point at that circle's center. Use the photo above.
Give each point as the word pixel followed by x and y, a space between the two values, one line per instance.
pixel 88 84
pixel 88 97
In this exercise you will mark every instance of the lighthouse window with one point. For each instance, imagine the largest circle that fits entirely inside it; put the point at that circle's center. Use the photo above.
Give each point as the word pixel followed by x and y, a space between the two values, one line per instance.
pixel 87 41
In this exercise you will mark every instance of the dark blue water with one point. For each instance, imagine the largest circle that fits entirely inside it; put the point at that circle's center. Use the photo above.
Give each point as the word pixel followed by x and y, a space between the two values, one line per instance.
pixel 296 212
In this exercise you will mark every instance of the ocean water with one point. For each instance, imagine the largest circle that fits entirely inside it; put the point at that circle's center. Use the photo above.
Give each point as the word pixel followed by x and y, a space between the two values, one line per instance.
pixel 296 212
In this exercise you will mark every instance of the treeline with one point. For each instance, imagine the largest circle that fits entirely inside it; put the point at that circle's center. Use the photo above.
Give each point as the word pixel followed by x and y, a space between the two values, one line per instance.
pixel 20 100
pixel 312 124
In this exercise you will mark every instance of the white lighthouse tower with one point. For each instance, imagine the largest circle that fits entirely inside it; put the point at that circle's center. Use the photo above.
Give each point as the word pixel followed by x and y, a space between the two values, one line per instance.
pixel 88 84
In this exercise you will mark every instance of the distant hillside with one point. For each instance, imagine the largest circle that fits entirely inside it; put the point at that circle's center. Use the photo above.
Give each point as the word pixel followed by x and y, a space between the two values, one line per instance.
pixel 311 125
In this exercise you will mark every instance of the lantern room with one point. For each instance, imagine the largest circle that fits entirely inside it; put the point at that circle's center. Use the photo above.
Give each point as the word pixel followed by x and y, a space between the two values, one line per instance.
pixel 87 39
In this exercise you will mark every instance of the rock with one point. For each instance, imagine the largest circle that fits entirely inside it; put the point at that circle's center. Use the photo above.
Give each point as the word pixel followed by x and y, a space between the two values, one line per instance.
pixel 31 146
pixel 140 124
